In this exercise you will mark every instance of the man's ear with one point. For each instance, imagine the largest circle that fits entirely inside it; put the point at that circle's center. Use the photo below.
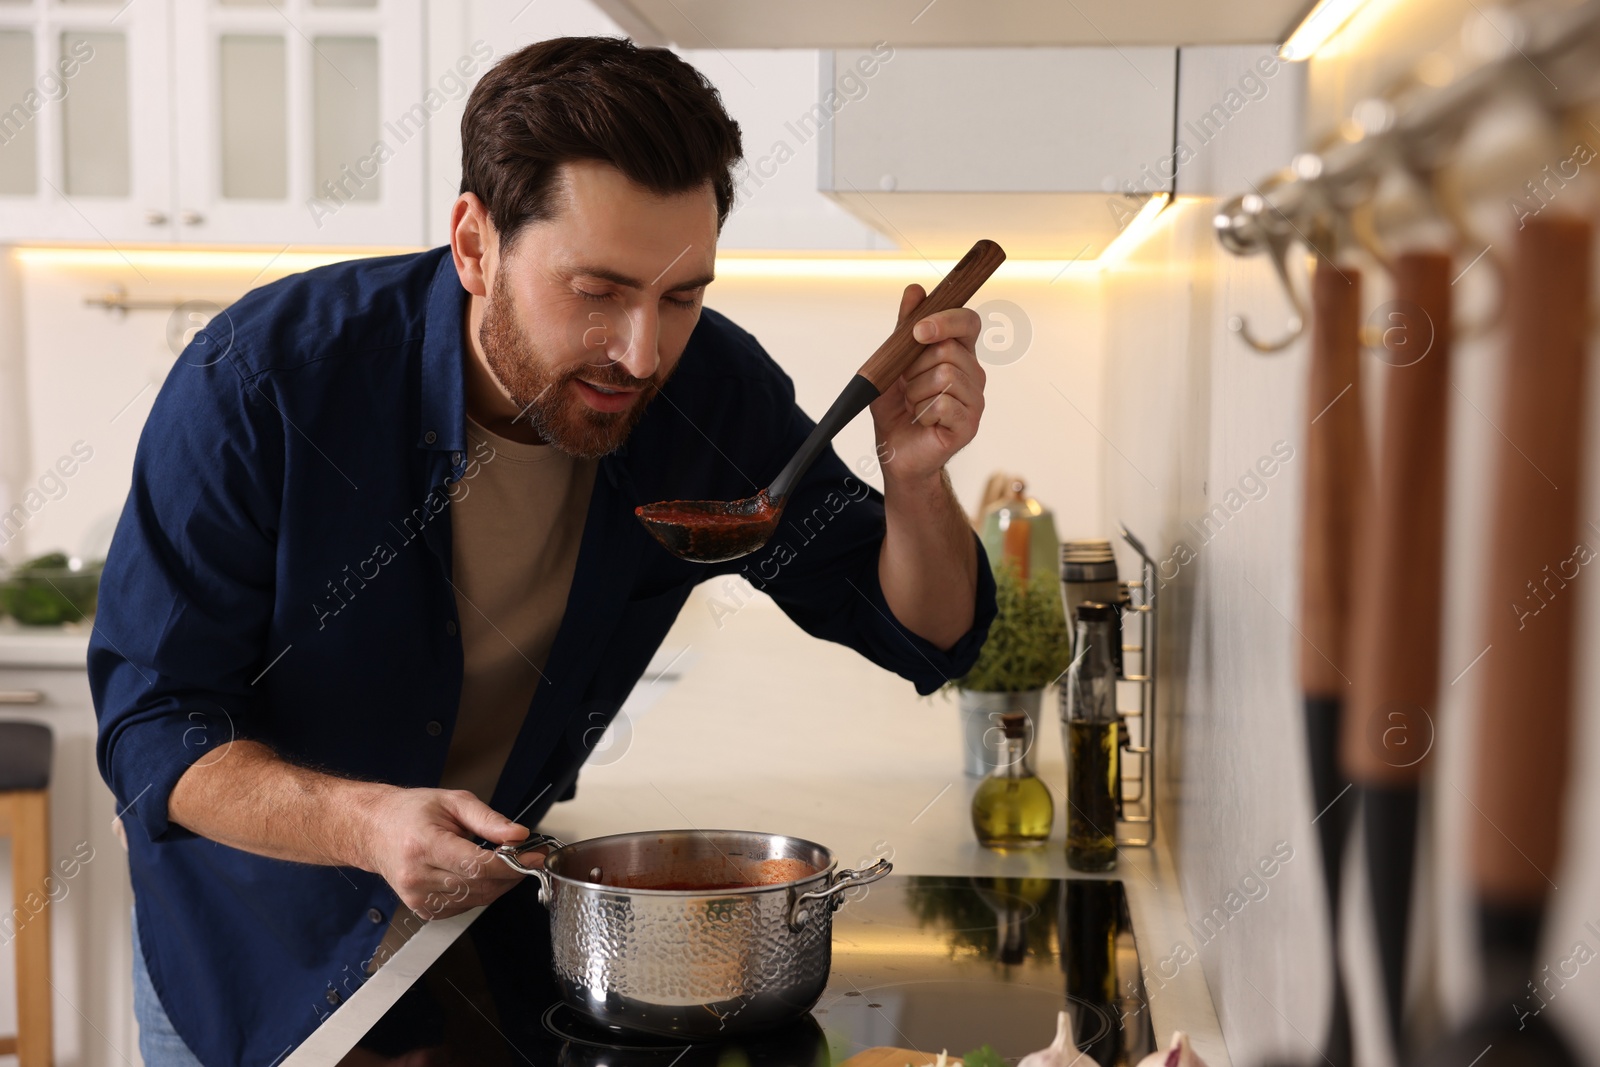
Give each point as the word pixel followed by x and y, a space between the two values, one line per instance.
pixel 472 243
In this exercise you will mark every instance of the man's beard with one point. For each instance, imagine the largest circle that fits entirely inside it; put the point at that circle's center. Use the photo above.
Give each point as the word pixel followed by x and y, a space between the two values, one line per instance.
pixel 540 386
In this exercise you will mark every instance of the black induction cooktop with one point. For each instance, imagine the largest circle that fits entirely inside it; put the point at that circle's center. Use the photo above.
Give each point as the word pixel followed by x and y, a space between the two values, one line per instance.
pixel 928 963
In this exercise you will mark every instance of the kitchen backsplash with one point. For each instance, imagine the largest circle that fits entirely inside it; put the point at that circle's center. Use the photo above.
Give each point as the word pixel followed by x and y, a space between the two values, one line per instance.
pixel 86 377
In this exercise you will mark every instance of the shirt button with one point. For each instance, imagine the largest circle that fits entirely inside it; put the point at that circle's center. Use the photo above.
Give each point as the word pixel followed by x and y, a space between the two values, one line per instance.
pixel 430 437
pixel 332 995
pixel 450 627
pixel 375 915
pixel 455 459
pixel 434 728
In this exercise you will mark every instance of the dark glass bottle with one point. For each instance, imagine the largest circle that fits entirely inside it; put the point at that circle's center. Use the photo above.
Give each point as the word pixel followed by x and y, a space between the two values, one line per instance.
pixel 1089 573
pixel 1089 720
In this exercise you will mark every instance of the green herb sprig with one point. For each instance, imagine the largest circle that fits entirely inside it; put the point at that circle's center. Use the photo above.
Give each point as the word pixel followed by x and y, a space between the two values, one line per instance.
pixel 1028 645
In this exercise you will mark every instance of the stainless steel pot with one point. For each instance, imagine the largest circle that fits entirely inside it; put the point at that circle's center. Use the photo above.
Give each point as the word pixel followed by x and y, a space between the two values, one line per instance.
pixel 691 933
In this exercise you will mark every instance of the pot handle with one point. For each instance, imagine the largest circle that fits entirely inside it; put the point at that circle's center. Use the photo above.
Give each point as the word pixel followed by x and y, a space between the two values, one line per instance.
pixel 511 855
pixel 800 911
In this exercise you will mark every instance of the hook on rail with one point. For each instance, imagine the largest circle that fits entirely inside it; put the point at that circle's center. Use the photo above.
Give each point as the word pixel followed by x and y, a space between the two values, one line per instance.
pixel 1242 230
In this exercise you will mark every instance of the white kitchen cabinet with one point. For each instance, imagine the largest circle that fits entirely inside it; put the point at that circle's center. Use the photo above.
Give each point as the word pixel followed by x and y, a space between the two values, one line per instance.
pixel 769 92
pixel 84 131
pixel 1240 115
pixel 300 122
pixel 291 122
pixel 91 951
pixel 777 205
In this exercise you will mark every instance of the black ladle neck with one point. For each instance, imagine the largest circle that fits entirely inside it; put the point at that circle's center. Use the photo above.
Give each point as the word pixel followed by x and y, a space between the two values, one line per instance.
pixel 851 402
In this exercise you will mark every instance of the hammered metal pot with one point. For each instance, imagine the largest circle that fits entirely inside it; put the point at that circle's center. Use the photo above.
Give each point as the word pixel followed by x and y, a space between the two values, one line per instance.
pixel 691 933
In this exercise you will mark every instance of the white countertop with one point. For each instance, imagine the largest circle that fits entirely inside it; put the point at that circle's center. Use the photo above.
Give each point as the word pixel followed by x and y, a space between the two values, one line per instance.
pixel 44 646
pixel 767 729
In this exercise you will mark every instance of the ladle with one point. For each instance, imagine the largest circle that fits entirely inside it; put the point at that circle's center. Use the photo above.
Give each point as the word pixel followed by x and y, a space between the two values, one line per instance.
pixel 709 531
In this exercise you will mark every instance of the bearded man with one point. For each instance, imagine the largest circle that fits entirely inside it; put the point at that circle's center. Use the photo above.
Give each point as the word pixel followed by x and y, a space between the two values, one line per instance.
pixel 378 585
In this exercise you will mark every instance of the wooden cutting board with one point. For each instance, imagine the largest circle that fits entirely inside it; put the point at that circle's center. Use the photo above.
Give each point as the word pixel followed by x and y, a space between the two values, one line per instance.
pixel 892 1057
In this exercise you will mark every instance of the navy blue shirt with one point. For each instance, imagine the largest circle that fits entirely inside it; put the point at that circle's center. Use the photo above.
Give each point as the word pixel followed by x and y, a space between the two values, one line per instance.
pixel 281 572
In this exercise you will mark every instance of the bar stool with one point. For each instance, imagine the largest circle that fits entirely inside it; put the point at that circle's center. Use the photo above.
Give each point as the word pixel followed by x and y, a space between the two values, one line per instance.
pixel 25 819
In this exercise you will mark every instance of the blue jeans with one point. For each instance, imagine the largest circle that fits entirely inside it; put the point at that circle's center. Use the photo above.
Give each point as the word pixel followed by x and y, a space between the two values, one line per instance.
pixel 159 1043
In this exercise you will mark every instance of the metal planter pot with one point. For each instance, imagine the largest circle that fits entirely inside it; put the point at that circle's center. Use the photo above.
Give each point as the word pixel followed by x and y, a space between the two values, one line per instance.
pixel 738 937
pixel 982 743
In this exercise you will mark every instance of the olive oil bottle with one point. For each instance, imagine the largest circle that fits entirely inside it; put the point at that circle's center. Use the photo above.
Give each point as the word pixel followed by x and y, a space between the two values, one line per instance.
pixel 1090 720
pixel 1012 809
pixel 1091 794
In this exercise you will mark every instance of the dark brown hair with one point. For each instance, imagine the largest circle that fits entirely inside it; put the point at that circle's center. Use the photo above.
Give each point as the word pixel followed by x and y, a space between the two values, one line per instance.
pixel 642 110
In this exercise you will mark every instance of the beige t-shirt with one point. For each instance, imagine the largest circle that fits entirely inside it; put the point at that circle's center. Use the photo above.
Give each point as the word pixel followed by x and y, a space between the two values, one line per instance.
pixel 516 521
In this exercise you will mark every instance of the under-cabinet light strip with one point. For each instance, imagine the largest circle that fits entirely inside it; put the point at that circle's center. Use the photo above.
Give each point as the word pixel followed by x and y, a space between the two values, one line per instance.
pixel 270 264
pixel 1324 20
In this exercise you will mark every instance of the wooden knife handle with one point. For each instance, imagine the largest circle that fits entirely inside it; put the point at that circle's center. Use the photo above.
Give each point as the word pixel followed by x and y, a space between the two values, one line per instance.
pixel 1336 461
pixel 1537 545
pixel 897 353
pixel 1388 728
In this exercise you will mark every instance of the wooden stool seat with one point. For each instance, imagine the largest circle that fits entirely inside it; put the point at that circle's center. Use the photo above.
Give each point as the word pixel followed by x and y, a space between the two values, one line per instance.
pixel 25 751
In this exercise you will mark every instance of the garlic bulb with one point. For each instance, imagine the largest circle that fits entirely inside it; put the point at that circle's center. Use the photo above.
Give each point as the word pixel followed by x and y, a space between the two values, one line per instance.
pixel 1179 1055
pixel 1057 1054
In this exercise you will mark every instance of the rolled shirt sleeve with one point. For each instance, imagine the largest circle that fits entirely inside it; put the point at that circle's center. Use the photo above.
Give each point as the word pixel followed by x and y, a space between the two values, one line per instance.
pixel 187 593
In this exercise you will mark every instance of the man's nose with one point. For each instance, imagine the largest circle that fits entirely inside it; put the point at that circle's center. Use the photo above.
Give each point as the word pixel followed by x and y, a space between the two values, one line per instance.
pixel 640 355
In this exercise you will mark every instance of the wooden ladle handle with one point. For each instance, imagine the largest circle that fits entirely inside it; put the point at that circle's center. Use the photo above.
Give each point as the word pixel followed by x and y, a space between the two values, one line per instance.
pixel 1336 479
pixel 1399 567
pixel 892 358
pixel 1537 546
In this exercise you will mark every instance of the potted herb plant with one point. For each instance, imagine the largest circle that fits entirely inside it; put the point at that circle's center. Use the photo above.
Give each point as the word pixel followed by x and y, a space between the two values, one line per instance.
pixel 1028 647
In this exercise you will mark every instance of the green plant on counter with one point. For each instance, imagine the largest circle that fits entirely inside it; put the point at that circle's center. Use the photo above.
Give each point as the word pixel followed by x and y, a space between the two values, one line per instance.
pixel 49 591
pixel 1028 646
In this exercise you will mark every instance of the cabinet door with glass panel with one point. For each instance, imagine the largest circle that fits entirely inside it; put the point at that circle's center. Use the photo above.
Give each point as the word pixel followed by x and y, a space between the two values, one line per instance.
pixel 85 148
pixel 299 122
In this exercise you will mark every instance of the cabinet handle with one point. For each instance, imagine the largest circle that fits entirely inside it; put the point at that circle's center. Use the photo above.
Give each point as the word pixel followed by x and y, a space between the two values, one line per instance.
pixel 155 218
pixel 192 218
pixel 21 696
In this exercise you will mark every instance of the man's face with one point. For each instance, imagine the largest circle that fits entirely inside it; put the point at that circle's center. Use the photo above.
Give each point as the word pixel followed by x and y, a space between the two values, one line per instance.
pixel 589 313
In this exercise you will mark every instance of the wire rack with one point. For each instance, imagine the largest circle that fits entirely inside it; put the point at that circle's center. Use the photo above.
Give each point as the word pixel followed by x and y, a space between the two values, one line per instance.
pixel 1137 823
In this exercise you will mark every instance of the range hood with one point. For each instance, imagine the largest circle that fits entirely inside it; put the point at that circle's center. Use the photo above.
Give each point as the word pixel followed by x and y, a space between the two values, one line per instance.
pixel 1050 151
pixel 830 24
